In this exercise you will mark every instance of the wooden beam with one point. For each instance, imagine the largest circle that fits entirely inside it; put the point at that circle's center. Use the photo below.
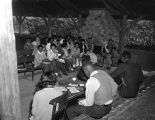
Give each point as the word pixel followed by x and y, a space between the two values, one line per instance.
pixel 20 20
pixel 9 87
pixel 122 34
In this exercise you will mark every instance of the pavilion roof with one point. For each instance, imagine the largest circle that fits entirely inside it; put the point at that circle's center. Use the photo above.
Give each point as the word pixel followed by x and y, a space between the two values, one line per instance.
pixel 66 8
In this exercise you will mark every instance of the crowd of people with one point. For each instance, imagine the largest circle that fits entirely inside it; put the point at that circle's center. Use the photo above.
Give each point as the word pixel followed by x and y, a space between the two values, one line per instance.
pixel 58 55
pixel 63 54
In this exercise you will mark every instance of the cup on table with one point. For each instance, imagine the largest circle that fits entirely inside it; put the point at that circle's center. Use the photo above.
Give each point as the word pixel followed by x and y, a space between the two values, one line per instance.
pixel 74 79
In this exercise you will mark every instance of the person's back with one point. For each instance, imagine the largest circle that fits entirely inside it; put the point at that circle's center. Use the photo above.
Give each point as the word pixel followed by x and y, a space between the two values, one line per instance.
pixel 131 76
pixel 41 102
pixel 107 88
pixel 41 109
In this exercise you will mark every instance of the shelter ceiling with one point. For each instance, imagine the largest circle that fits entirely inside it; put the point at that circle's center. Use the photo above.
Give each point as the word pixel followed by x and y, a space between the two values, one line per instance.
pixel 65 8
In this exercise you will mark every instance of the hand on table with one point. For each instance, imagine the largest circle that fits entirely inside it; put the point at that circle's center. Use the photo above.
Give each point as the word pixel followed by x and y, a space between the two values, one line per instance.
pixel 81 102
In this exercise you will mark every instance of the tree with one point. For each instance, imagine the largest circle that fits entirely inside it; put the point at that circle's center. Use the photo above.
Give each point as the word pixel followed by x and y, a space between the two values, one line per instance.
pixel 9 86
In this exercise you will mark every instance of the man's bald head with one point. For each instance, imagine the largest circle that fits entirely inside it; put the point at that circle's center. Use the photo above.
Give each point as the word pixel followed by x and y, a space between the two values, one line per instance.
pixel 88 68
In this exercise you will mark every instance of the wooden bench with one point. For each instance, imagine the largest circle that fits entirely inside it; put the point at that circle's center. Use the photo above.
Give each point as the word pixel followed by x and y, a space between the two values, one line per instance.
pixel 25 63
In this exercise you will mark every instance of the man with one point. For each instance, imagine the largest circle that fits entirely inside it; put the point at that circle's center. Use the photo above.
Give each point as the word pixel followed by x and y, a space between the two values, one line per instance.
pixel 39 57
pixel 100 89
pixel 130 75
pixel 56 65
pixel 75 52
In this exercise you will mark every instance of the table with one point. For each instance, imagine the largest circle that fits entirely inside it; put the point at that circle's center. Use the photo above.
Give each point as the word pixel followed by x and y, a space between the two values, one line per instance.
pixel 81 88
pixel 78 94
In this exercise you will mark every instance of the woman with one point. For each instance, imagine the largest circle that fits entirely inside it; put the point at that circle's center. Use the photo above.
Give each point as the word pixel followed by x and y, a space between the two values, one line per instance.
pixel 41 109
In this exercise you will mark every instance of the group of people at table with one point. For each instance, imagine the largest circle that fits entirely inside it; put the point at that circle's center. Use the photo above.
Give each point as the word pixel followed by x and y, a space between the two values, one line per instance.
pixel 101 88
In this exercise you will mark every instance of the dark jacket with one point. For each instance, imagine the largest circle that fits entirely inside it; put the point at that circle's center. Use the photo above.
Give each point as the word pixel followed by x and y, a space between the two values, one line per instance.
pixel 131 75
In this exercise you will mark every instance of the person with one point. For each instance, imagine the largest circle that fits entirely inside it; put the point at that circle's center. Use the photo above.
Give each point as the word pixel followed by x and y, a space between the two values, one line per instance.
pixel 128 75
pixel 39 58
pixel 41 109
pixel 67 57
pixel 83 47
pixel 75 52
pixel 100 89
pixel 35 44
pixel 115 56
pixel 56 65
pixel 28 45
pixel 93 57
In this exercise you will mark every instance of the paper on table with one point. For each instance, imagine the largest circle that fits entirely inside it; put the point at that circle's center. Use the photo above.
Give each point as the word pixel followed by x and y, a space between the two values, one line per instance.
pixel 73 85
pixel 61 88
pixel 73 89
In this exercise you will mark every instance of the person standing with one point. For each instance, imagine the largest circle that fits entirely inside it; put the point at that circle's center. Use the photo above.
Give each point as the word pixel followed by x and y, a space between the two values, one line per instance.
pixel 129 76
pixel 100 89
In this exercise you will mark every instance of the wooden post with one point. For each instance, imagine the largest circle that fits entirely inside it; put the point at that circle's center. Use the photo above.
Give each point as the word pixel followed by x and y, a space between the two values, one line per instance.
pixel 49 26
pixel 9 87
pixel 20 20
pixel 122 34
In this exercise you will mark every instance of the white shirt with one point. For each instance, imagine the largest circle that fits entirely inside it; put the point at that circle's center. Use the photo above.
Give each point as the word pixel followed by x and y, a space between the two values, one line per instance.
pixel 51 55
pixel 93 57
pixel 48 46
pixel 92 86
pixel 41 109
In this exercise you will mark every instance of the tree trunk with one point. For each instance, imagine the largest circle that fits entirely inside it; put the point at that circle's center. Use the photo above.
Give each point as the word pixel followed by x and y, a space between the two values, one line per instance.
pixel 9 86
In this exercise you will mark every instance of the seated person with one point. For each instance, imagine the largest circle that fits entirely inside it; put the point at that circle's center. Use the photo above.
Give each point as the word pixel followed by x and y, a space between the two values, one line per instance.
pixel 115 56
pixel 35 44
pixel 108 60
pixel 83 47
pixel 28 45
pixel 67 57
pixel 129 76
pixel 56 65
pixel 100 89
pixel 76 55
pixel 93 57
pixel 39 57
pixel 41 109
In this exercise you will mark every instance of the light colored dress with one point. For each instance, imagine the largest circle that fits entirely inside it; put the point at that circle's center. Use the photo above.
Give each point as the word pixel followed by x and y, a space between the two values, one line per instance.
pixel 41 109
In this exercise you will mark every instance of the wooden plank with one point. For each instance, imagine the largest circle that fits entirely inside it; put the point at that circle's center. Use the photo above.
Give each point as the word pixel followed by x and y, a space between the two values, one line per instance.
pixel 9 86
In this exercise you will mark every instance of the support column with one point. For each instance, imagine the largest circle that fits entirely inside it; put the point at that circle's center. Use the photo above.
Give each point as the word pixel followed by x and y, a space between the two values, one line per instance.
pixel 49 26
pixel 20 20
pixel 122 34
pixel 10 108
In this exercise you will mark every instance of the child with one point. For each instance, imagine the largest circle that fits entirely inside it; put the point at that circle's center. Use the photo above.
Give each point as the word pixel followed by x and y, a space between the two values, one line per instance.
pixel 115 56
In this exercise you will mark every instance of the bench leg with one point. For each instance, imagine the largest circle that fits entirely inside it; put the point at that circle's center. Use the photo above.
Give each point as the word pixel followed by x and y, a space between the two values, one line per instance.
pixel 25 75
pixel 32 75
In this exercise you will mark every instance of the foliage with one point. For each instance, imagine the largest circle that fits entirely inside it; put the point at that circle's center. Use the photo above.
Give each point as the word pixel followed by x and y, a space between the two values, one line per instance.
pixel 141 34
pixel 35 25
pixel 39 25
